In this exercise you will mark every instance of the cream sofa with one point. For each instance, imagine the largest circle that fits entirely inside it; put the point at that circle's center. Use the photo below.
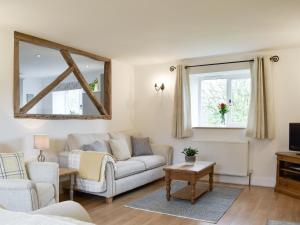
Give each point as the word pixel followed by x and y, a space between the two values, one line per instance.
pixel 120 176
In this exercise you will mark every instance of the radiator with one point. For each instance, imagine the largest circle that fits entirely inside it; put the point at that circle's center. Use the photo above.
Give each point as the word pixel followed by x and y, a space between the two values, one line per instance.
pixel 232 158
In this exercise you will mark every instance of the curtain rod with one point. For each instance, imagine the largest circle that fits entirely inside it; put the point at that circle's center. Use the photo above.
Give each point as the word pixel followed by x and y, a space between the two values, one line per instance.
pixel 221 63
pixel 274 58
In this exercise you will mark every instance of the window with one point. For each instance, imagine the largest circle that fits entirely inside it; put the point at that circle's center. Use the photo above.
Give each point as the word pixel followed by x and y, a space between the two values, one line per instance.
pixel 67 102
pixel 210 89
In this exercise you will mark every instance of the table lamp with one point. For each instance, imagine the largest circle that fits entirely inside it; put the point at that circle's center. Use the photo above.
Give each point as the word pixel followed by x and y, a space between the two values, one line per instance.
pixel 41 142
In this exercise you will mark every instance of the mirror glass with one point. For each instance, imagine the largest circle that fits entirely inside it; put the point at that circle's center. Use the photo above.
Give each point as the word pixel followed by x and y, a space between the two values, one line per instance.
pixel 39 66
pixel 93 72
pixel 67 98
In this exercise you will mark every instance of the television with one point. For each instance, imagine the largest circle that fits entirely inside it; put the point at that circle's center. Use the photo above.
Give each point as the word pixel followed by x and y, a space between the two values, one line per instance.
pixel 294 137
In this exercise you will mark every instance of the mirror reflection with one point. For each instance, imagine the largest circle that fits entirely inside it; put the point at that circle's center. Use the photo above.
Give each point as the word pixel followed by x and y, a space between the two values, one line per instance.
pixel 39 66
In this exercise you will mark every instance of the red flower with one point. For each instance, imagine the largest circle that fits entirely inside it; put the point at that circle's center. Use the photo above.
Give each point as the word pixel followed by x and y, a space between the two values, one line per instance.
pixel 222 105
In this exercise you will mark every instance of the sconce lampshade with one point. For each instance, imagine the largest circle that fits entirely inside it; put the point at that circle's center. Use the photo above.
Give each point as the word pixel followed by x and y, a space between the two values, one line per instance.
pixel 41 142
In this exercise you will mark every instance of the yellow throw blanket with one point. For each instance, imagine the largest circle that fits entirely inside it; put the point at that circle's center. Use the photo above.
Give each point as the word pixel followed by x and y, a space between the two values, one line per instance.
pixel 92 166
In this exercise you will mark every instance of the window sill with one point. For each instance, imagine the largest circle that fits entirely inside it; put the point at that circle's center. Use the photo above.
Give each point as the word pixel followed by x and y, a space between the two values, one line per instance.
pixel 241 128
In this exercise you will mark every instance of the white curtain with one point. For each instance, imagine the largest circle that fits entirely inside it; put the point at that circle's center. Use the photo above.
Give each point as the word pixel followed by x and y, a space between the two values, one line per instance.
pixel 260 119
pixel 182 127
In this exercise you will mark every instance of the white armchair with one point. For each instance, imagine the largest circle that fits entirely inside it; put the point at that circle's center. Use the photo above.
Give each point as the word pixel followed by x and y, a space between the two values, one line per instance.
pixel 40 190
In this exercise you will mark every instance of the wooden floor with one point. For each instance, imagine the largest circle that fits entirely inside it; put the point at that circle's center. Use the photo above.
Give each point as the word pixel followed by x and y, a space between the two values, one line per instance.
pixel 253 207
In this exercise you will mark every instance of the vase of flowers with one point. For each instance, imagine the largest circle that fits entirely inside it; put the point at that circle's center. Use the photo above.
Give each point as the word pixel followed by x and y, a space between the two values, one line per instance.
pixel 190 155
pixel 94 85
pixel 223 109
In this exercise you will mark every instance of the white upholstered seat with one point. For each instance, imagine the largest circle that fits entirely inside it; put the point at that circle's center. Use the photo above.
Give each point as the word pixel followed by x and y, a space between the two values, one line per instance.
pixel 150 161
pixel 128 168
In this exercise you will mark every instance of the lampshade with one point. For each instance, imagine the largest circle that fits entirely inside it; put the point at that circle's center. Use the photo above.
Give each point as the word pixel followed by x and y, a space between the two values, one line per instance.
pixel 41 142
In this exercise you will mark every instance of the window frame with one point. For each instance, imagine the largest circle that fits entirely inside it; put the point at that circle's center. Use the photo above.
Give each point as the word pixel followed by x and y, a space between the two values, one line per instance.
pixel 229 79
pixel 66 95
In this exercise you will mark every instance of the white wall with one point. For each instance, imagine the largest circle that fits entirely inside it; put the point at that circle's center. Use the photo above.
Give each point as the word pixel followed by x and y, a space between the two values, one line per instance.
pixel 154 111
pixel 16 134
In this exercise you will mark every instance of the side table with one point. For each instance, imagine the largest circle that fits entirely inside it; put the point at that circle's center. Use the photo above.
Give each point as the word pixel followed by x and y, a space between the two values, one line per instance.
pixel 70 173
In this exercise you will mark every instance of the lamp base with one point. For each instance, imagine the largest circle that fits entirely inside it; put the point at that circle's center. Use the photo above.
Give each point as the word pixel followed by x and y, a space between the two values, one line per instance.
pixel 41 157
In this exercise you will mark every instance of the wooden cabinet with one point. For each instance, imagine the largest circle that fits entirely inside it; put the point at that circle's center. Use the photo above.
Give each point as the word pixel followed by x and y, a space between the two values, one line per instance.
pixel 288 174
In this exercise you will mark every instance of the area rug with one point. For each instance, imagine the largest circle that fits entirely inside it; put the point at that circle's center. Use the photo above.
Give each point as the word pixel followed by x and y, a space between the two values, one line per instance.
pixel 275 222
pixel 210 207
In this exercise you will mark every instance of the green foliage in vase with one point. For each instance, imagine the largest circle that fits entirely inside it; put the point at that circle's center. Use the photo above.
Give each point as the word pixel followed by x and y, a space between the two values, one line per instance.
pixel 93 84
pixel 190 151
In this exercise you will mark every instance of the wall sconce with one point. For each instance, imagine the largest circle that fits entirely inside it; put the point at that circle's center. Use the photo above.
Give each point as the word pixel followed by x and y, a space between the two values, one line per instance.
pixel 162 87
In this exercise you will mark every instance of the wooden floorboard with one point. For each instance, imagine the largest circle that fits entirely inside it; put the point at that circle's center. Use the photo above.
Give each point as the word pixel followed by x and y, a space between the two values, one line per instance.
pixel 253 207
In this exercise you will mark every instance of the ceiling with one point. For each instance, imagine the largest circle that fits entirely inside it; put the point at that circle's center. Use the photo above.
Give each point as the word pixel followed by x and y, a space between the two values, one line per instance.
pixel 154 31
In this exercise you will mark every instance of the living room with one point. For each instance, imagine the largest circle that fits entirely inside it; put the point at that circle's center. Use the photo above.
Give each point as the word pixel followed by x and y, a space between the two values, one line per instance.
pixel 147 51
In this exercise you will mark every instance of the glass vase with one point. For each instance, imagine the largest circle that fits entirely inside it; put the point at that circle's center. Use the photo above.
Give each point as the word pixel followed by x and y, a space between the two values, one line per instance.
pixel 223 119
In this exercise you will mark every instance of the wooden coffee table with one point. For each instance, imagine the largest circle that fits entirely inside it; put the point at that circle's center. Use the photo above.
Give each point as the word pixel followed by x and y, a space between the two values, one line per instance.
pixel 191 174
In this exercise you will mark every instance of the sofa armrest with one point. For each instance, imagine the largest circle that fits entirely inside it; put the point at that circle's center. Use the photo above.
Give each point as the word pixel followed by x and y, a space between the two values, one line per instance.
pixel 110 179
pixel 66 209
pixel 18 195
pixel 16 184
pixel 163 150
pixel 44 172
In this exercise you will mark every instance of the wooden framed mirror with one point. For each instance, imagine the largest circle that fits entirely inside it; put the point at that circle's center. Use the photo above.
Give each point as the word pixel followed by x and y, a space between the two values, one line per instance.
pixel 53 81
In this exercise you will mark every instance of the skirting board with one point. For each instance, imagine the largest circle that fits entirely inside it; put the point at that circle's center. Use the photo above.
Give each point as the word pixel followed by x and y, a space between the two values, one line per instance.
pixel 256 181
pixel 264 181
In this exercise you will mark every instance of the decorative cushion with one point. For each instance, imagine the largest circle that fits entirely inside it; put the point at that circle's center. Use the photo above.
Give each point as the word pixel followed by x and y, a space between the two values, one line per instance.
pixel 125 135
pixel 150 161
pixel 46 194
pixel 119 149
pixel 96 146
pixel 128 168
pixel 141 146
pixel 75 141
pixel 12 166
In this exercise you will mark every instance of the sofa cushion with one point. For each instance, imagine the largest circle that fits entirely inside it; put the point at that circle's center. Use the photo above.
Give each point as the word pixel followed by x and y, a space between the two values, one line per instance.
pixel 150 161
pixel 119 149
pixel 75 141
pixel 128 167
pixel 141 146
pixel 46 193
pixel 96 146
pixel 125 135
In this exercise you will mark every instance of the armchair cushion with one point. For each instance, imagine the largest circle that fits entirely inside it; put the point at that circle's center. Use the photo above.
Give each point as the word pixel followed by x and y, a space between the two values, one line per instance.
pixel 29 195
pixel 44 172
pixel 46 194
pixel 18 195
pixel 12 166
